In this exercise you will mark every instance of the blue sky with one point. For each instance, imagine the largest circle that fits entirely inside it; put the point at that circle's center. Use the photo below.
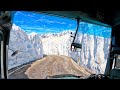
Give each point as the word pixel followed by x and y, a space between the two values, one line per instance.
pixel 41 23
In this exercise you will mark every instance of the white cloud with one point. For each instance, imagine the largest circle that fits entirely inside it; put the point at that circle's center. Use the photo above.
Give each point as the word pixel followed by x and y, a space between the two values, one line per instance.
pixel 45 20
pixel 21 13
pixel 31 15
pixel 31 28
pixel 49 21
pixel 70 25
pixel 60 22
pixel 40 20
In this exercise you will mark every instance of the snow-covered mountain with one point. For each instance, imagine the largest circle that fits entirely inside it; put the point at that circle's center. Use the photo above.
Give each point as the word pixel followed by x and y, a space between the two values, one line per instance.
pixel 93 54
pixel 29 47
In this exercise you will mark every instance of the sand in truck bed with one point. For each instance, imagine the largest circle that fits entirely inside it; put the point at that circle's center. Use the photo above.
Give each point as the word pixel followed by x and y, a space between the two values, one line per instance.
pixel 49 66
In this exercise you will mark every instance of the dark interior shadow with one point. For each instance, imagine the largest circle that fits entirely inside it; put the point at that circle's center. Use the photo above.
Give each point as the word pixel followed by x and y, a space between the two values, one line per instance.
pixel 16 73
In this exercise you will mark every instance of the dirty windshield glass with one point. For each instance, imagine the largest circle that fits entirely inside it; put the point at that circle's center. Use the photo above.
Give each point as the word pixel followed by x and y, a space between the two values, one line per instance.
pixel 40 46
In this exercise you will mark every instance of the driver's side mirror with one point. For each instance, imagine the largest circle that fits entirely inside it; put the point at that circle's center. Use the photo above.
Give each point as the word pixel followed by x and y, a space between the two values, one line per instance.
pixel 117 63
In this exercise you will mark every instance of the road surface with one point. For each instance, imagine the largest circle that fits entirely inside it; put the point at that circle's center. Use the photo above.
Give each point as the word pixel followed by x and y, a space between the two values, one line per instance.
pixel 49 66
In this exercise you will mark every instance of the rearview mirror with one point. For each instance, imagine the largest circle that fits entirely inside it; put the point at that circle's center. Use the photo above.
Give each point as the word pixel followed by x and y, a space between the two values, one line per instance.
pixel 76 47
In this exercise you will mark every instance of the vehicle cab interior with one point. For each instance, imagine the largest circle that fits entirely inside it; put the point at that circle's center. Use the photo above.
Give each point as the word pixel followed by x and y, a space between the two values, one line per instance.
pixel 100 16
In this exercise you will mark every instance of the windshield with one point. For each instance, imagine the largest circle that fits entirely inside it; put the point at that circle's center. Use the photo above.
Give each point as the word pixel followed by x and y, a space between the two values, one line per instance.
pixel 40 45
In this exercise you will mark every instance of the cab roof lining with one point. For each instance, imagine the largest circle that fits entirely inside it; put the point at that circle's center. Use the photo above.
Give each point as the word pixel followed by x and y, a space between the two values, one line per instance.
pixel 73 15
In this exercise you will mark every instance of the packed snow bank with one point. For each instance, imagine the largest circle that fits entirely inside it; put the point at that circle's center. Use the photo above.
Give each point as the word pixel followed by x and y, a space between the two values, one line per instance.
pixel 94 52
pixel 93 55
pixel 29 46
pixel 57 45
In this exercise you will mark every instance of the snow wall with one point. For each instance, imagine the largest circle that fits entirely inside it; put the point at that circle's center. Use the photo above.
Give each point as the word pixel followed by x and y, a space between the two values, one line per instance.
pixel 93 55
